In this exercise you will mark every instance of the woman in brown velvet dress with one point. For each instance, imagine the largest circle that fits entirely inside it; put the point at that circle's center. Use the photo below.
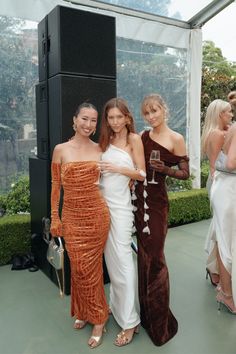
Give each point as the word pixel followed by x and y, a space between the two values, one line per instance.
pixel 151 219
pixel 85 220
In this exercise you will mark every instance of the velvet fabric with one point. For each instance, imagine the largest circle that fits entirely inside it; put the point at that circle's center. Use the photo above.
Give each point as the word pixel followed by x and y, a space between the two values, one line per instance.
pixel 153 277
pixel 84 225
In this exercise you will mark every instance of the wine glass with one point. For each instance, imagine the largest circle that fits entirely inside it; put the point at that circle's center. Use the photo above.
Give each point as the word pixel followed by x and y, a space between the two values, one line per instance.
pixel 154 156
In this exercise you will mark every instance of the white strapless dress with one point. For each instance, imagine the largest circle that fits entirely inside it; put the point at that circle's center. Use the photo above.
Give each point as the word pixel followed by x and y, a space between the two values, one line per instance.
pixel 223 225
pixel 118 253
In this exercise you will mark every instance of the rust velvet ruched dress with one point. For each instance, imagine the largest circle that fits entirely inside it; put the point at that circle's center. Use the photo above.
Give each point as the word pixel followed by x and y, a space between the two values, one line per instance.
pixel 153 278
pixel 84 224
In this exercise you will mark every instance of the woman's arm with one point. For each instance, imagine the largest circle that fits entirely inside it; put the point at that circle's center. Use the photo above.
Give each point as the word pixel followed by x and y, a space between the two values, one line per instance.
pixel 181 173
pixel 138 157
pixel 183 166
pixel 231 156
pixel 215 143
pixel 56 225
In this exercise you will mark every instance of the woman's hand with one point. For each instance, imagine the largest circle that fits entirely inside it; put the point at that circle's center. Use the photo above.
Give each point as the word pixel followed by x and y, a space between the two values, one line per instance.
pixel 158 166
pixel 106 166
pixel 56 228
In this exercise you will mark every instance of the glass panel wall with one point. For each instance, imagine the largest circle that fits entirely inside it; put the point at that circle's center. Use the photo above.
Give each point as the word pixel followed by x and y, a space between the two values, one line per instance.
pixel 178 9
pixel 18 75
pixel 143 68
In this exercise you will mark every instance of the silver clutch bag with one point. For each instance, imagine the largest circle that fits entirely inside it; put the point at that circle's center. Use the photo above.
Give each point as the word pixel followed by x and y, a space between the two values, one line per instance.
pixel 55 253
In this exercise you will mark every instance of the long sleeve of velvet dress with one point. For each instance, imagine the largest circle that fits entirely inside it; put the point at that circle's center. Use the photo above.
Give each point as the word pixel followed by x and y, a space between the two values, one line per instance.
pixel 151 221
pixel 84 225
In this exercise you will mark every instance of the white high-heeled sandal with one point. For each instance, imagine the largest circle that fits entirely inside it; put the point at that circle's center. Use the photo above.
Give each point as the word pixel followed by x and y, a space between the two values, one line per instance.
pixel 79 324
pixel 97 340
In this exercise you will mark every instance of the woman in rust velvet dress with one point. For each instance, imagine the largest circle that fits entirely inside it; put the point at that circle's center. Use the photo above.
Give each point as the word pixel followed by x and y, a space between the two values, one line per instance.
pixel 85 221
pixel 151 219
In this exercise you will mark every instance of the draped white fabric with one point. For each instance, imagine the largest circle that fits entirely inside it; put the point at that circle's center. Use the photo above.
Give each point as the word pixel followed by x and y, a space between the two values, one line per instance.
pixel 118 251
pixel 223 228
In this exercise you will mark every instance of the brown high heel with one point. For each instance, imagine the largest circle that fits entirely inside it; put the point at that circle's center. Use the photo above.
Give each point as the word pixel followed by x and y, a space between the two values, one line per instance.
pixel 122 338
pixel 226 300
pixel 208 273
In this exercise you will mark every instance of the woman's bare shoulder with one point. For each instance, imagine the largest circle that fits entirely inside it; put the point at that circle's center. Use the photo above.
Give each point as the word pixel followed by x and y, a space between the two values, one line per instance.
pixel 96 146
pixel 61 147
pixel 134 137
pixel 175 136
pixel 217 133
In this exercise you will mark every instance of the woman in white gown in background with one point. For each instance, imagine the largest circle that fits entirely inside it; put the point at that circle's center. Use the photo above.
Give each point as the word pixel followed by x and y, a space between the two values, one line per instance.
pixel 122 160
pixel 218 118
pixel 223 230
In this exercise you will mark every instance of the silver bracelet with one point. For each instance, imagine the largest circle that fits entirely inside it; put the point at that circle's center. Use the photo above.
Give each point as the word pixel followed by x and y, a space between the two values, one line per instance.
pixel 142 173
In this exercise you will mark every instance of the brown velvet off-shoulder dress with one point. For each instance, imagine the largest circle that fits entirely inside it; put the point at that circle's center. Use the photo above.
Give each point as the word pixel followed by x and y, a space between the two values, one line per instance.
pixel 153 278
pixel 84 225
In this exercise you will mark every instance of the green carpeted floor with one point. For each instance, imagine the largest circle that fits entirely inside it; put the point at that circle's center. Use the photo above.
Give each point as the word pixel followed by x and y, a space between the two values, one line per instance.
pixel 34 320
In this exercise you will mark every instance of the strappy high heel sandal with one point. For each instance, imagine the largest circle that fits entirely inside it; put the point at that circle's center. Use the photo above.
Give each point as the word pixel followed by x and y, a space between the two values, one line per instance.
pixel 211 275
pixel 95 341
pixel 123 338
pixel 226 300
pixel 79 324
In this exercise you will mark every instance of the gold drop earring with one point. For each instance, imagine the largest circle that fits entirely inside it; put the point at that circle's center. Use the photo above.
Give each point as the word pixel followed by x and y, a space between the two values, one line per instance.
pixel 74 126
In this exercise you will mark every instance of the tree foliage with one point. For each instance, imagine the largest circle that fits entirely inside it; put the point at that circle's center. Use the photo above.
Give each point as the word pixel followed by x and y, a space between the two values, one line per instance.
pixel 144 68
pixel 18 75
pixel 218 76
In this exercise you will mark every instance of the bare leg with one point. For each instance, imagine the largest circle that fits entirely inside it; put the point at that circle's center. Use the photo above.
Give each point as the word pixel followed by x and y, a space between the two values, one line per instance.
pixel 224 295
pixel 225 277
pixel 214 277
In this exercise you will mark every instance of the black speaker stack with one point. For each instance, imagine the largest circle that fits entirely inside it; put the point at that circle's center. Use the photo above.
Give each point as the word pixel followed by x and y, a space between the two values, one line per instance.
pixel 77 63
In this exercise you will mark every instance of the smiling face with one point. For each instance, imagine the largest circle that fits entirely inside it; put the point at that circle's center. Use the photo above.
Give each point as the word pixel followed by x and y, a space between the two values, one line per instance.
pixel 116 120
pixel 154 114
pixel 154 110
pixel 86 121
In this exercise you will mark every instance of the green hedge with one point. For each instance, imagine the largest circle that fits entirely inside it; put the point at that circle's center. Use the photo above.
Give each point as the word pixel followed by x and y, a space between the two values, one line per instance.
pixel 18 199
pixel 185 207
pixel 188 206
pixel 14 236
pixel 204 172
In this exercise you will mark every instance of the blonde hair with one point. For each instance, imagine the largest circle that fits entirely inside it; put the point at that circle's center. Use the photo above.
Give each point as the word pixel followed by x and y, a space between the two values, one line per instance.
pixel 212 119
pixel 154 99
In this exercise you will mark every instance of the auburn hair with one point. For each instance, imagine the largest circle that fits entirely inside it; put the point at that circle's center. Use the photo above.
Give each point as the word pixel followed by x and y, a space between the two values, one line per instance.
pixel 106 133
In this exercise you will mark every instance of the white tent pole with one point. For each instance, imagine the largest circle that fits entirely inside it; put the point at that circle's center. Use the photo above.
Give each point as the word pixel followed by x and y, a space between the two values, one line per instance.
pixel 194 104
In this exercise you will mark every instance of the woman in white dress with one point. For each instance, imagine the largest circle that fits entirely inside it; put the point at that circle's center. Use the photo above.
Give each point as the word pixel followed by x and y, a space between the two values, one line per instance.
pixel 122 161
pixel 223 201
pixel 218 118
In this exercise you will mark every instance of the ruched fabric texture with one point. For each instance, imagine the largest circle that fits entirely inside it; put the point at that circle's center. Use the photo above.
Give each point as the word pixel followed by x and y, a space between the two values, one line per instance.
pixel 84 225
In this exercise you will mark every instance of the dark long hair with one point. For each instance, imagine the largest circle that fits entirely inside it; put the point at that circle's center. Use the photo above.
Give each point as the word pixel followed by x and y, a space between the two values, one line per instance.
pixel 106 133
pixel 84 105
